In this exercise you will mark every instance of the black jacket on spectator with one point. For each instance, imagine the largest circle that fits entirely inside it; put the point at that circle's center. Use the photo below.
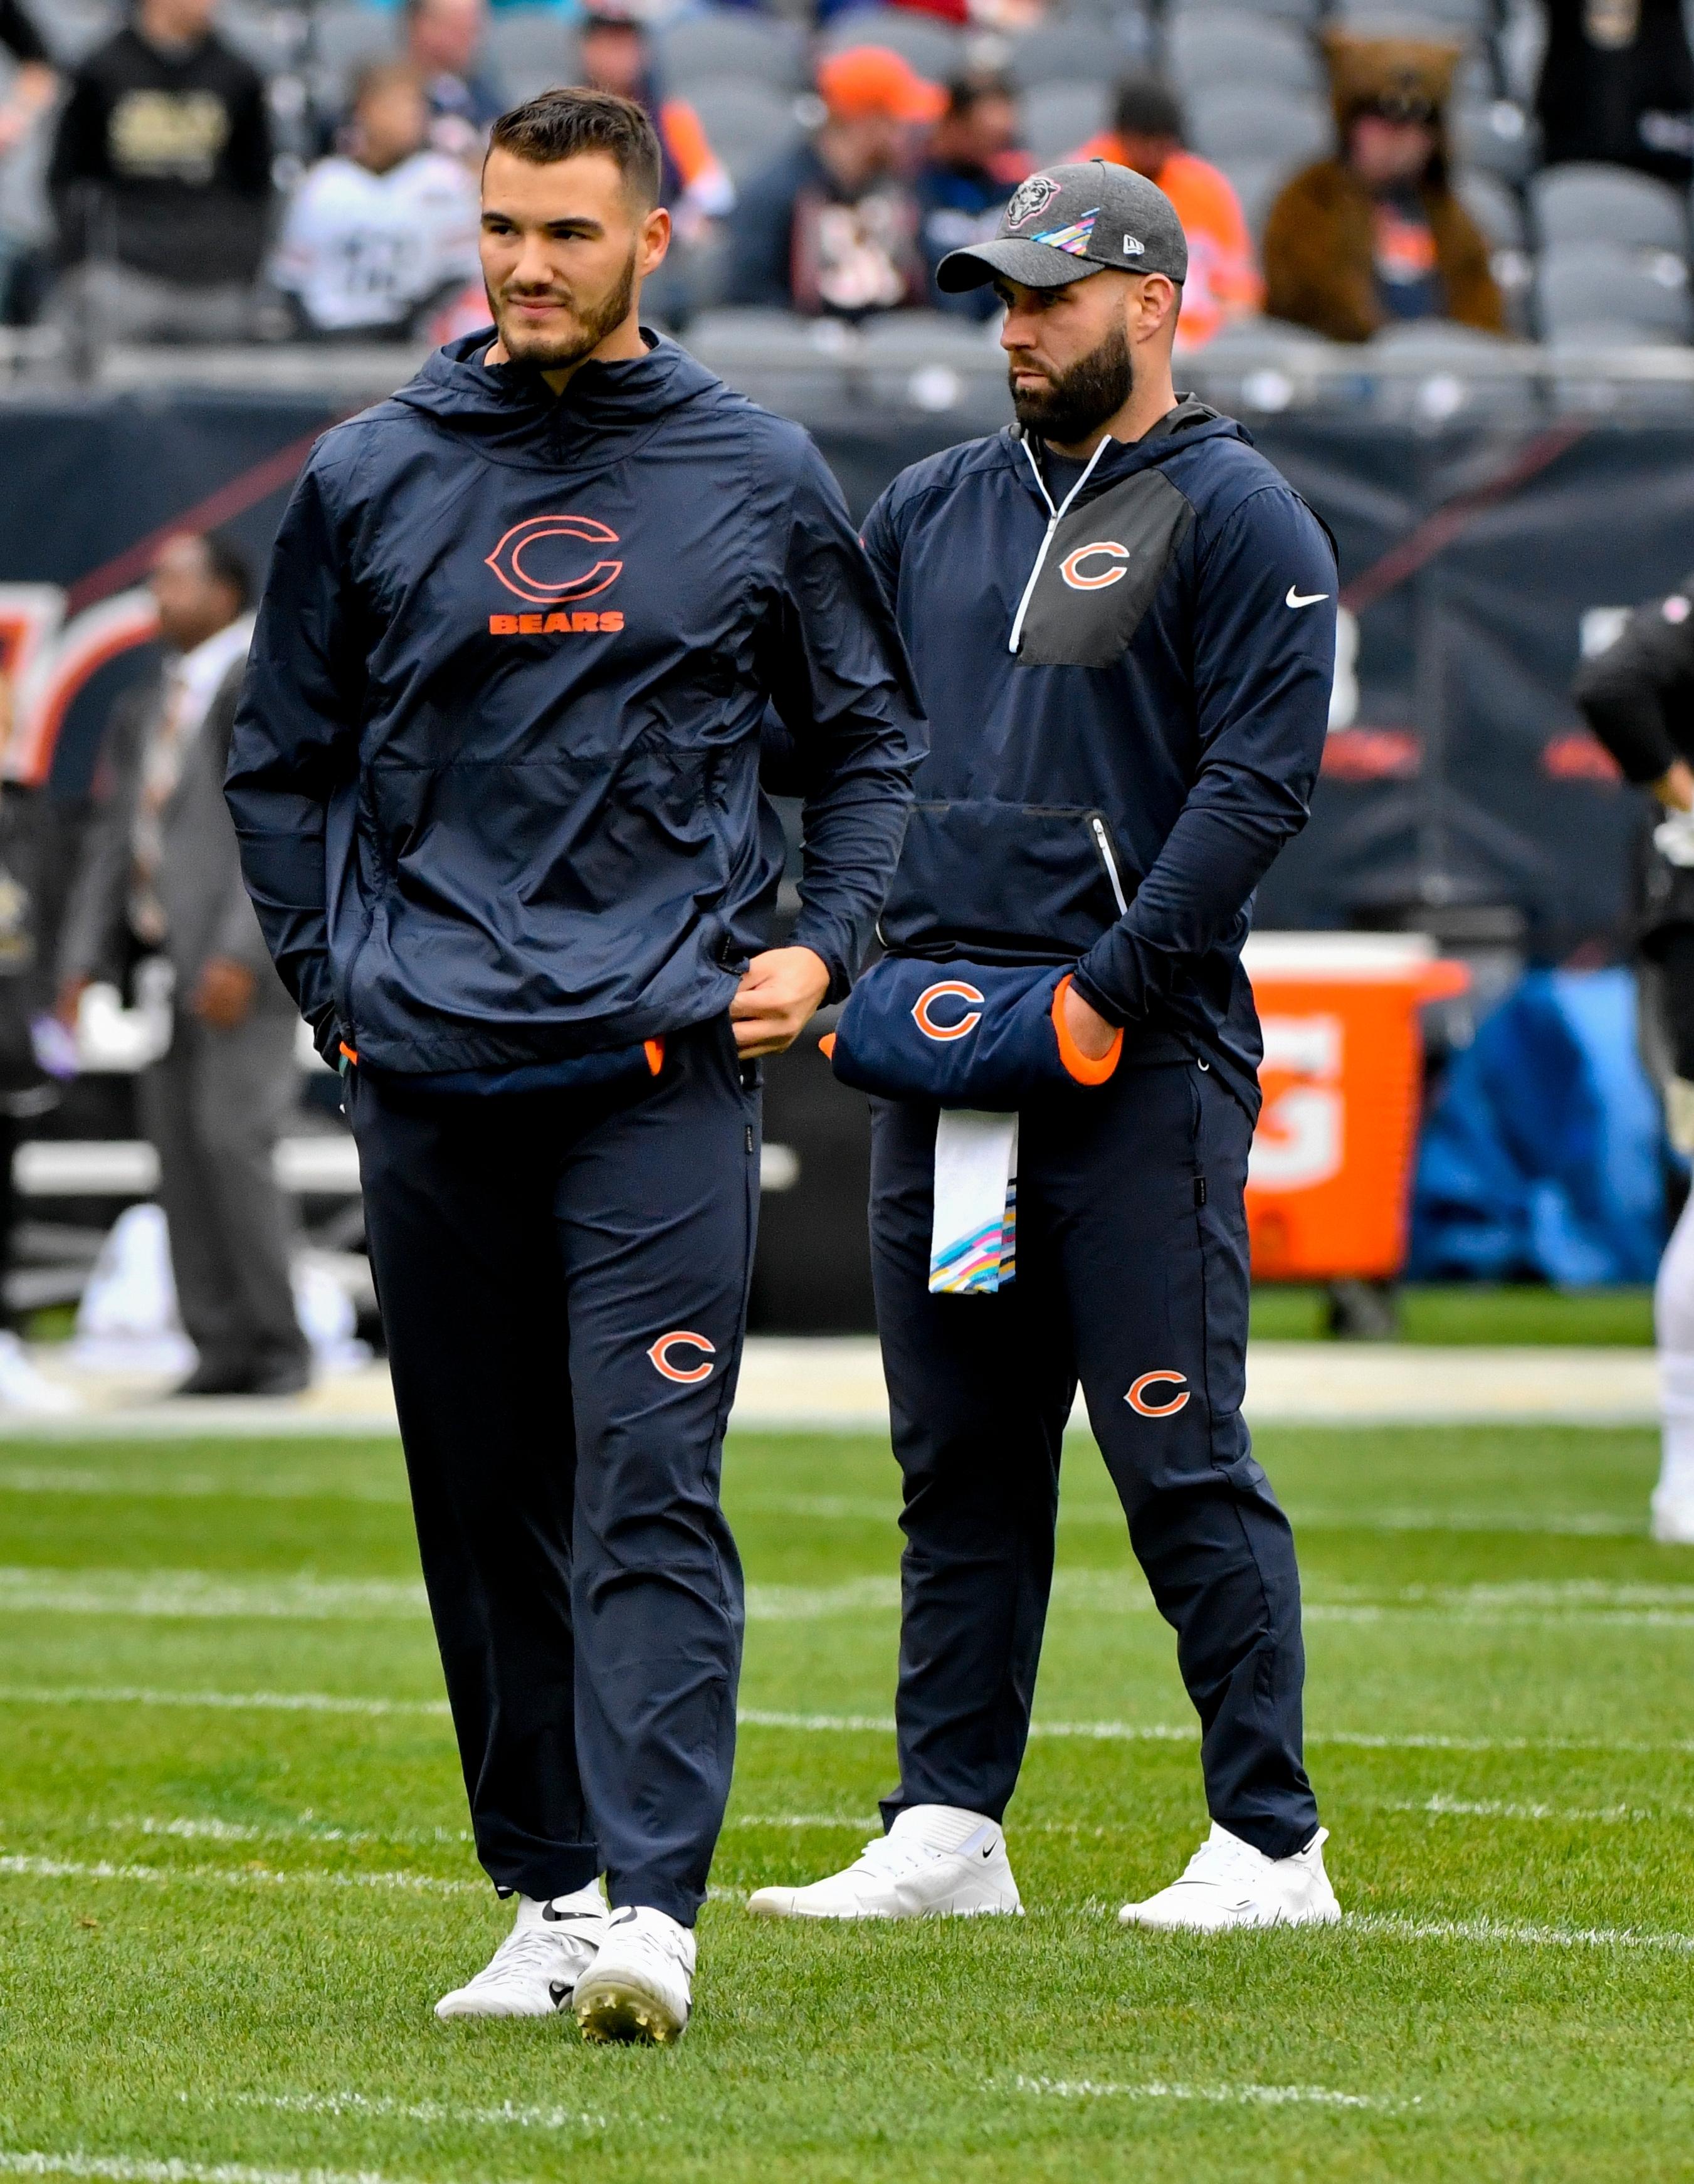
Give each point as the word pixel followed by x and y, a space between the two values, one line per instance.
pixel 163 162
pixel 1618 84
pixel 801 241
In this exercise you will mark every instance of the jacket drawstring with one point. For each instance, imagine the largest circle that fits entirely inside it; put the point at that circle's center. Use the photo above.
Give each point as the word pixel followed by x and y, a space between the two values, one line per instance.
pixel 1056 517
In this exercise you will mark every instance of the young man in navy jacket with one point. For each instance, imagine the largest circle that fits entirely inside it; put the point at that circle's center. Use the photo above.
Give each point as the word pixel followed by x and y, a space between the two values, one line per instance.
pixel 496 781
pixel 1122 621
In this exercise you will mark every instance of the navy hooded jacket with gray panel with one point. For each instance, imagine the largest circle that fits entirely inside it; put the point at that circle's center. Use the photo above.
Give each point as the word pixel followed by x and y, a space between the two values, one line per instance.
pixel 496 769
pixel 1127 698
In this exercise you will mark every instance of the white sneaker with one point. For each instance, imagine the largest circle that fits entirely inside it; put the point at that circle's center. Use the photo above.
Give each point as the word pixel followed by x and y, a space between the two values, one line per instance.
pixel 25 1390
pixel 534 1970
pixel 641 1983
pixel 1672 1518
pixel 1228 1883
pixel 936 1861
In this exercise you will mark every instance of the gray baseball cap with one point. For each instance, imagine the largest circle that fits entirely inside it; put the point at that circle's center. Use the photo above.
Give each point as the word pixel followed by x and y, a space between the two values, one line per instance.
pixel 1065 223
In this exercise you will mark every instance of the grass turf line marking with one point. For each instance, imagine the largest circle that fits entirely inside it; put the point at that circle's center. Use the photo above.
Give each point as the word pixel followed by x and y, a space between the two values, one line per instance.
pixel 1494 1808
pixel 429 2112
pixel 1275 2097
pixel 219 1595
pixel 124 2168
pixel 200 1829
pixel 851 1509
pixel 16 1866
pixel 1387 1926
pixel 329 1703
pixel 234 1702
pixel 191 1486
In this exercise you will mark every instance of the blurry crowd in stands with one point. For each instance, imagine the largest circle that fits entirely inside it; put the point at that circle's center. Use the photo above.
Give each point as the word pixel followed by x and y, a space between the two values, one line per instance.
pixel 229 170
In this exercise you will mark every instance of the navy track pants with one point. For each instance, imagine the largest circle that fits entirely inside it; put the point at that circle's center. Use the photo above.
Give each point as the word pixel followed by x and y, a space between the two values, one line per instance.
pixel 1131 1277
pixel 563 1280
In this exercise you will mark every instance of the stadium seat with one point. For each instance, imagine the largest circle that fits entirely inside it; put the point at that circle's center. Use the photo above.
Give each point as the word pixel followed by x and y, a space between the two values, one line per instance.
pixel 1257 183
pixel 1059 117
pixel 1496 134
pixel 1069 53
pixel 1585 202
pixel 1237 124
pixel 1210 47
pixel 72 28
pixel 1495 208
pixel 760 49
pixel 748 125
pixel 1304 13
pixel 933 49
pixel 340 39
pixel 271 38
pixel 1415 19
pixel 1596 291
pixel 530 50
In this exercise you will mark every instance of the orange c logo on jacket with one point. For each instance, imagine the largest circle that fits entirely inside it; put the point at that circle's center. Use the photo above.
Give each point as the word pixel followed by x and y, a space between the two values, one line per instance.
pixel 680 1338
pixel 946 989
pixel 1071 568
pixel 1137 1396
pixel 521 562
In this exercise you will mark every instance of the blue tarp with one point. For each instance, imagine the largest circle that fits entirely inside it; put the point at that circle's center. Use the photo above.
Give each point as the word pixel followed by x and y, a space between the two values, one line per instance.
pixel 1543 1158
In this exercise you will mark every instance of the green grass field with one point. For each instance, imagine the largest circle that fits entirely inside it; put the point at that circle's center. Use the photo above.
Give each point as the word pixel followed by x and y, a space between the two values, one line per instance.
pixel 233 1873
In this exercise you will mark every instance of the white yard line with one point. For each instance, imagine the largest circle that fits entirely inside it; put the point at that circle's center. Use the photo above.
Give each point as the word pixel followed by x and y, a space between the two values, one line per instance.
pixel 233 1701
pixel 822 1724
pixel 1521 1934
pixel 16 1866
pixel 508 2112
pixel 1158 2089
pixel 199 1828
pixel 189 1485
pixel 1441 1807
pixel 125 2169
pixel 859 1509
pixel 236 1595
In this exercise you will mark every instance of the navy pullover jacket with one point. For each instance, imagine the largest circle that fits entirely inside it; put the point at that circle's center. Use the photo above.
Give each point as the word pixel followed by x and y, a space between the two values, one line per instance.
pixel 496 769
pixel 1126 713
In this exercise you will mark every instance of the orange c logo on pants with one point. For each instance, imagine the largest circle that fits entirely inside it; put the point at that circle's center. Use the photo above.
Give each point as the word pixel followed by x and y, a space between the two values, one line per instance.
pixel 945 989
pixel 1137 1396
pixel 680 1337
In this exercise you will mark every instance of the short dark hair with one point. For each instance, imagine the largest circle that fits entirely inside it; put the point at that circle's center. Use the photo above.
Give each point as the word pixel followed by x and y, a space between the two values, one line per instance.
pixel 1148 107
pixel 226 563
pixel 965 92
pixel 560 124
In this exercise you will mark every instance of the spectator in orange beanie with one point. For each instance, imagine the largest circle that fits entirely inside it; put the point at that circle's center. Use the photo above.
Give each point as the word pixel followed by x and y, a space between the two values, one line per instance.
pixel 1222 277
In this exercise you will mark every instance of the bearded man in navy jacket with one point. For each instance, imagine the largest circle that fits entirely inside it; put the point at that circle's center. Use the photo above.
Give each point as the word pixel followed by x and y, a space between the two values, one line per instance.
pixel 496 779
pixel 1122 620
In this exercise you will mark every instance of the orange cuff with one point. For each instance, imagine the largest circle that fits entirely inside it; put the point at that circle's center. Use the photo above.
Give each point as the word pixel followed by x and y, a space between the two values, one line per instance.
pixel 1077 1063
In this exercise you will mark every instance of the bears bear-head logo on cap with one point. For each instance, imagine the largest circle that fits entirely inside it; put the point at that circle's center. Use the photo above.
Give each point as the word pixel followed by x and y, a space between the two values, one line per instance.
pixel 1030 199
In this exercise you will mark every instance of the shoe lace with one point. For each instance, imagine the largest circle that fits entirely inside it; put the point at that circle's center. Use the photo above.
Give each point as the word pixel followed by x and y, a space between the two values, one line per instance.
pixel 1218 1861
pixel 893 1856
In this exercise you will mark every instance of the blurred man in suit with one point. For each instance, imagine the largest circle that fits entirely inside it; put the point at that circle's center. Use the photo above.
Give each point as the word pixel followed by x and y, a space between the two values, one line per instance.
pixel 159 875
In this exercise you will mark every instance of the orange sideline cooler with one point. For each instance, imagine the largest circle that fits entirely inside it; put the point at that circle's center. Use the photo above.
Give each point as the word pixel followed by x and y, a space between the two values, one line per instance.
pixel 1329 1185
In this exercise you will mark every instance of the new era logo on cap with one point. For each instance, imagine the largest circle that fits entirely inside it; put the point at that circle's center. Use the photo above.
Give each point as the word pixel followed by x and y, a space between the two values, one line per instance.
pixel 1068 222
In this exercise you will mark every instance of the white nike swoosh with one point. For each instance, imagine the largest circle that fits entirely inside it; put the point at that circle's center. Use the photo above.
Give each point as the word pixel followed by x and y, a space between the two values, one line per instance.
pixel 1305 598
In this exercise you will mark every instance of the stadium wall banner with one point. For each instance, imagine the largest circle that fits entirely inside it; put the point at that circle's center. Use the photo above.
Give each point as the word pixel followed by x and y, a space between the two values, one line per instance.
pixel 1476 564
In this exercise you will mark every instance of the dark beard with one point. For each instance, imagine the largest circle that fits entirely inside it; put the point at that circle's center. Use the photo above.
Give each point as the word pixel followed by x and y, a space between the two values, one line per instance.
pixel 1078 404
pixel 594 323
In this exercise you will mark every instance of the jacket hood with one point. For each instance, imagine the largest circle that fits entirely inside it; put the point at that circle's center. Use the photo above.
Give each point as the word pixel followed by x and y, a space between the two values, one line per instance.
pixel 514 416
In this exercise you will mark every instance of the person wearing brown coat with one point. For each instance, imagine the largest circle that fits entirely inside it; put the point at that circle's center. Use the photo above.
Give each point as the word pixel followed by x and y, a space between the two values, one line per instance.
pixel 1375 236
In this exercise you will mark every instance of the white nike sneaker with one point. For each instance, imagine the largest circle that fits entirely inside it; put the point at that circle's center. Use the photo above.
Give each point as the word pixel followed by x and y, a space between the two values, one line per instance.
pixel 1672 1518
pixel 534 1970
pixel 1230 1884
pixel 935 1862
pixel 641 1983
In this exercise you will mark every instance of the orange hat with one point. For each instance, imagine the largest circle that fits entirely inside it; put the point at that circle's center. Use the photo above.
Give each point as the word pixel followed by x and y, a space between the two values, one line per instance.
pixel 868 79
